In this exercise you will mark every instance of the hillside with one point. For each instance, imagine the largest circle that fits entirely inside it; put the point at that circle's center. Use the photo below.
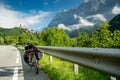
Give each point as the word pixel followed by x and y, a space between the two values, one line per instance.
pixel 12 31
pixel 115 23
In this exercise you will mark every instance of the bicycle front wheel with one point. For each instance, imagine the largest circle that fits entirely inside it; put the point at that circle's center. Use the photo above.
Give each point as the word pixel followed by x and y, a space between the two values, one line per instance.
pixel 36 68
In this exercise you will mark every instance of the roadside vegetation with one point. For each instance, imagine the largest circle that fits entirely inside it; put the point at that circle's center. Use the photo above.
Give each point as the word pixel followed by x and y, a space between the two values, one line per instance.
pixel 60 69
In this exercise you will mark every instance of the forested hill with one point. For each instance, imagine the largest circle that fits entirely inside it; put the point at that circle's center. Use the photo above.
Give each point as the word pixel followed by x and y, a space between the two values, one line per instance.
pixel 115 23
pixel 12 31
pixel 17 35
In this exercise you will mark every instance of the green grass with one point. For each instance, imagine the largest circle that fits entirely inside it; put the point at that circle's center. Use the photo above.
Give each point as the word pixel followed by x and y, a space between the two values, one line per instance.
pixel 20 47
pixel 63 70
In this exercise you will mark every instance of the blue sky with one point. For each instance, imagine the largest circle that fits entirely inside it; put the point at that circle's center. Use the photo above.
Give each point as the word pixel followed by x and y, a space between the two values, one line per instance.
pixel 35 14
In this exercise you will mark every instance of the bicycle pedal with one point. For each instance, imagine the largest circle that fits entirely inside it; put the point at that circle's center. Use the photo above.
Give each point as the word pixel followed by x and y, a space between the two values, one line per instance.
pixel 31 64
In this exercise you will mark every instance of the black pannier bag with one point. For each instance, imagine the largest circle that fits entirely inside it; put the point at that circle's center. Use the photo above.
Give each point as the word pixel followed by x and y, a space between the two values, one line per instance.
pixel 26 57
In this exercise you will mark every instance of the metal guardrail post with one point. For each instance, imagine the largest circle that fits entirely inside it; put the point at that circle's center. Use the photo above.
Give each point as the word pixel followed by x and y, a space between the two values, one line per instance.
pixel 112 78
pixel 50 59
pixel 76 68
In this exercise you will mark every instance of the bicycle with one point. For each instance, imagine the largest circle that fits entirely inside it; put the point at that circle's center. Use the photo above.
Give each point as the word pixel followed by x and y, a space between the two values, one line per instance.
pixel 31 60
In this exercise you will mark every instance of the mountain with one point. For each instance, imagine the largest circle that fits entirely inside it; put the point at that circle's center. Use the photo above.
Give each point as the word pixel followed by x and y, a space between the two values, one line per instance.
pixel 89 14
pixel 115 23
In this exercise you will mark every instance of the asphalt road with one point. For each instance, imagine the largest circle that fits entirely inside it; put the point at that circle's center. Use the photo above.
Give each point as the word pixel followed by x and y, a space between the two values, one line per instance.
pixel 13 67
pixel 10 64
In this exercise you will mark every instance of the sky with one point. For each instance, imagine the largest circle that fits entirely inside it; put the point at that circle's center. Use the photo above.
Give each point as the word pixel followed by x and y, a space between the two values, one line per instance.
pixel 34 14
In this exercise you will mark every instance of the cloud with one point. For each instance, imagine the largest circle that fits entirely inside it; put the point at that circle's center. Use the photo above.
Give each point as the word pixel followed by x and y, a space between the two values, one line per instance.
pixel 116 9
pixel 82 21
pixel 64 27
pixel 85 22
pixel 70 27
pixel 97 17
pixel 10 18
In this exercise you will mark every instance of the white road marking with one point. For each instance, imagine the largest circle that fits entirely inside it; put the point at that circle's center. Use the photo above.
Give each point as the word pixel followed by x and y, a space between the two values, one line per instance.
pixel 17 55
pixel 17 60
pixel 15 76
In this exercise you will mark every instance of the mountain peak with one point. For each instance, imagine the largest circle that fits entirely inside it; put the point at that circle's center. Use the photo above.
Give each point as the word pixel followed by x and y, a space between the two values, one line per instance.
pixel 89 13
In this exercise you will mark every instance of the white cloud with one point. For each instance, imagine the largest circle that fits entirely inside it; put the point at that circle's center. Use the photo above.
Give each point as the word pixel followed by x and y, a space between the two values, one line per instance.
pixel 82 21
pixel 75 26
pixel 10 18
pixel 116 9
pixel 64 27
pixel 65 10
pixel 97 17
pixel 85 22
pixel 71 27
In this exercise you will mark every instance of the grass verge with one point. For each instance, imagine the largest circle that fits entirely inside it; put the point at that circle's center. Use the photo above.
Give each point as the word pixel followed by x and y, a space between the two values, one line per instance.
pixel 63 70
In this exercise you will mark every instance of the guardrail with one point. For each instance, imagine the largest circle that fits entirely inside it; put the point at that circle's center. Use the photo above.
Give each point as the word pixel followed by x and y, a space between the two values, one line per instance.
pixel 101 59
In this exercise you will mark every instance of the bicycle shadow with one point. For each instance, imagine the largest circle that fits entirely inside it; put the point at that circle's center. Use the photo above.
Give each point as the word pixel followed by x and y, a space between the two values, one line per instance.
pixel 7 71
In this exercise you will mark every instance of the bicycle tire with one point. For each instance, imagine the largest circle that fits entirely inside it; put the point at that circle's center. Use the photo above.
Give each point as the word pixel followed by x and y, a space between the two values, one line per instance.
pixel 37 71
pixel 36 65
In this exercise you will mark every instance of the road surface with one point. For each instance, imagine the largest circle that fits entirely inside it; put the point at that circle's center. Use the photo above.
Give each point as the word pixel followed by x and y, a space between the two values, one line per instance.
pixel 12 66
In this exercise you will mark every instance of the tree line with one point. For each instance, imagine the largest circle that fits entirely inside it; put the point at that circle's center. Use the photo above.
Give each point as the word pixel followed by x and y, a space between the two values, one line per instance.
pixel 102 38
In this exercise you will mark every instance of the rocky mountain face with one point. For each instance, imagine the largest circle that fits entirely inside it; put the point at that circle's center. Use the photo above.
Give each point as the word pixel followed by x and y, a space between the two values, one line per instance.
pixel 90 13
